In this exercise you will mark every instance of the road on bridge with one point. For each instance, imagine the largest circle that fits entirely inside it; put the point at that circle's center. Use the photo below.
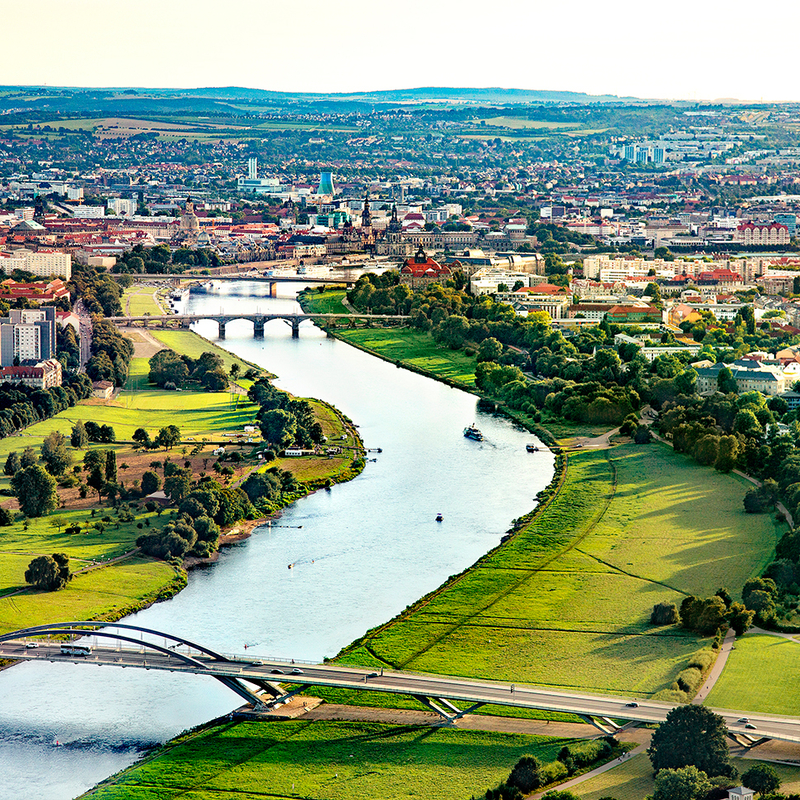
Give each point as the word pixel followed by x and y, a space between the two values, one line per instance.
pixel 430 689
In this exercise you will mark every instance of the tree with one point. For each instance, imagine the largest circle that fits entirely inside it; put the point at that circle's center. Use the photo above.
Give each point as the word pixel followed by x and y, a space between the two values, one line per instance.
pixel 28 458
pixel 178 485
pixel 691 736
pixel 141 437
pixel 97 480
pixel 664 614
pixel 49 572
pixel 686 783
pixel 35 490
pixel 526 775
pixel 762 778
pixel 12 464
pixel 150 482
pixel 111 466
pixel 57 459
pixel 215 380
pixel 168 437
pixel 279 427
pixel 167 366
pixel 58 522
pixel 490 349
pixel 725 381
pixel 79 438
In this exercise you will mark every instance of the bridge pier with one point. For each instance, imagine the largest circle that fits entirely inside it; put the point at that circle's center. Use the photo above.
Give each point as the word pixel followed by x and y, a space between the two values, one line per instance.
pixel 258 328
pixel 295 328
pixel 221 323
pixel 273 289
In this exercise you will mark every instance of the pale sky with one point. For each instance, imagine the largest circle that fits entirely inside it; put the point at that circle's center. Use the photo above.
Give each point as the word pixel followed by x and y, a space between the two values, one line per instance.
pixel 692 49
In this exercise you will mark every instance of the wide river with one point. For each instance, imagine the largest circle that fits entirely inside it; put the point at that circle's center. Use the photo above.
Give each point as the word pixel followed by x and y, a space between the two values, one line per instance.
pixel 364 552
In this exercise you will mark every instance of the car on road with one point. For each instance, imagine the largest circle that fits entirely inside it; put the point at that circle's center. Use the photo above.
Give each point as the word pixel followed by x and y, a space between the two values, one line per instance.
pixel 257 663
pixel 31 645
pixel 632 704
pixel 743 720
pixel 750 726
pixel 277 671
pixel 372 675
pixel 297 671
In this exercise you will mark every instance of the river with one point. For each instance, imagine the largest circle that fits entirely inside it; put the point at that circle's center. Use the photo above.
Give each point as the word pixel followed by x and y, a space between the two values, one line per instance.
pixel 365 551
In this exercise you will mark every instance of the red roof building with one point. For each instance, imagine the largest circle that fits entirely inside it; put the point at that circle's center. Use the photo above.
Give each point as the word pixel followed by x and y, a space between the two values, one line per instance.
pixel 422 270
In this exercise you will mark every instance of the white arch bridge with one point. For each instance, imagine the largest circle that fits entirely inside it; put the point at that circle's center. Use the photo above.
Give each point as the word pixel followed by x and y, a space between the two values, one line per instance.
pixel 258 320
pixel 267 682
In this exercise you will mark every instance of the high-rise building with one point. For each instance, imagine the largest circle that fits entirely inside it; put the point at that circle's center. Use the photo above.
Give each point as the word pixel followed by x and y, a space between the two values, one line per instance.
pixel 27 334
pixel 789 220
pixel 659 156
pixel 325 183
pixel 629 153
pixel 252 169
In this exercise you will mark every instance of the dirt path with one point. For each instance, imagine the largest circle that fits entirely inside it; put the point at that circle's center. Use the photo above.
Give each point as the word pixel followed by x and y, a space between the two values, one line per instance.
pixel 145 345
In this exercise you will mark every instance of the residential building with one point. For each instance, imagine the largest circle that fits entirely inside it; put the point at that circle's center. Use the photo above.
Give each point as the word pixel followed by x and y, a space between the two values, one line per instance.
pixel 28 334
pixel 630 315
pixel 42 375
pixel 42 263
pixel 749 375
pixel 421 269
pixel 752 234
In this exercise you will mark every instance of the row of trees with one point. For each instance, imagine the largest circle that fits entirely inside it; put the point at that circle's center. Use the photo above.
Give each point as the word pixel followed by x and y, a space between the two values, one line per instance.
pixel 170 370
pixel 111 353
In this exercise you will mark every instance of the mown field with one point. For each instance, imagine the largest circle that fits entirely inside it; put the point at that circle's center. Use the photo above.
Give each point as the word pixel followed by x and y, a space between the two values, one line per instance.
pixel 633 779
pixel 138 301
pixel 416 350
pixel 567 602
pixel 762 674
pixel 331 760
pixel 327 302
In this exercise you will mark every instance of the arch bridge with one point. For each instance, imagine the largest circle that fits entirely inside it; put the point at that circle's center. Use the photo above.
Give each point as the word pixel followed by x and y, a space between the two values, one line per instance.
pixel 258 320
pixel 268 682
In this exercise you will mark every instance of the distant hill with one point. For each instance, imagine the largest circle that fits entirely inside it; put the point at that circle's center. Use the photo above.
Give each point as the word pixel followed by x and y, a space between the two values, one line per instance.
pixel 414 96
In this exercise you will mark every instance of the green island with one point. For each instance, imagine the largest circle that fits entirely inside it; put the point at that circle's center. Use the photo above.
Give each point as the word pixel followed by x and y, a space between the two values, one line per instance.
pixel 566 602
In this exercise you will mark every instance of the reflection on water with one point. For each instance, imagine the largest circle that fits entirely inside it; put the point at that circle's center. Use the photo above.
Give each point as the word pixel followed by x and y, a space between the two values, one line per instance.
pixel 365 551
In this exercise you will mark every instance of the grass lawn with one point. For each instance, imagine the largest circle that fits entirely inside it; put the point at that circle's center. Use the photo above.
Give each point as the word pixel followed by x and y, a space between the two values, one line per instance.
pixel 633 779
pixel 327 302
pixel 332 760
pixel 566 603
pixel 415 349
pixel 106 592
pixel 761 675
pixel 138 301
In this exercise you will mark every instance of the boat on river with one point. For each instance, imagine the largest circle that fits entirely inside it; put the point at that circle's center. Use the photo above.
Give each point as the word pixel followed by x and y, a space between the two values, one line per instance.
pixel 471 432
pixel 439 517
pixel 531 448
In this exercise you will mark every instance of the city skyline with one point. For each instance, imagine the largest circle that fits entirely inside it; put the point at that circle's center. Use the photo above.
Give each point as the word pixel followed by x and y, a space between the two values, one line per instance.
pixel 585 48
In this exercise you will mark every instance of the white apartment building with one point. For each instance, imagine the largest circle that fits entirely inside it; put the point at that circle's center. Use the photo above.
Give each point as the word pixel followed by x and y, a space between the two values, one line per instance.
pixel 42 263
pixel 88 212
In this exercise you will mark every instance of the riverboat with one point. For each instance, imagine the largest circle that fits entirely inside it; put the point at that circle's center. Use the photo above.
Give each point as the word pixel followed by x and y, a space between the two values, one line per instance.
pixel 439 517
pixel 471 432
pixel 531 448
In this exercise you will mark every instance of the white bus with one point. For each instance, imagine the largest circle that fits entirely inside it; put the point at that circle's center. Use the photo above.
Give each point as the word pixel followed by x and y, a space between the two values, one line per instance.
pixel 72 649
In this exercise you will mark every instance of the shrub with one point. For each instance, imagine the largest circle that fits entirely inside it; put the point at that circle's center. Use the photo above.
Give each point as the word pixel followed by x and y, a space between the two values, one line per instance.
pixel 664 614
pixel 526 775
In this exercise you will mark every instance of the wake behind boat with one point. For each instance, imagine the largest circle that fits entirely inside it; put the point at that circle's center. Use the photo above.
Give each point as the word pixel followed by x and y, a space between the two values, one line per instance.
pixel 471 432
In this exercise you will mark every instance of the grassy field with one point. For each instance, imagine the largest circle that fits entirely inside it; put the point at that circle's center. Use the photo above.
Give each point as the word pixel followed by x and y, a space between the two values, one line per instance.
pixel 633 779
pixel 519 123
pixel 327 302
pixel 137 301
pixel 761 675
pixel 416 350
pixel 567 602
pixel 332 760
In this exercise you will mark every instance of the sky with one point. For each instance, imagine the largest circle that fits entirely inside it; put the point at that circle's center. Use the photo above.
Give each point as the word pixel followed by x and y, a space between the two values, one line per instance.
pixel 684 49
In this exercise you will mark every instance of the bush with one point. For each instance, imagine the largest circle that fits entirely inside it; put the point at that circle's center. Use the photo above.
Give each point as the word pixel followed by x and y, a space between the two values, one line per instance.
pixel 664 614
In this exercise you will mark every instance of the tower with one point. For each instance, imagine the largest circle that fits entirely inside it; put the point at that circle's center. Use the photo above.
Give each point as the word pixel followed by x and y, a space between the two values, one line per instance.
pixel 325 183
pixel 366 216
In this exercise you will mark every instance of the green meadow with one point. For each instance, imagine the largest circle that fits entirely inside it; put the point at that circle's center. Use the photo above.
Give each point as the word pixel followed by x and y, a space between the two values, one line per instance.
pixel 414 349
pixel 331 760
pixel 761 675
pixel 567 601
pixel 633 779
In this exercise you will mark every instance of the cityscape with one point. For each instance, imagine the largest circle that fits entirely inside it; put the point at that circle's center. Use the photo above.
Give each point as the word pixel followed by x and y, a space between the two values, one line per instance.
pixel 395 442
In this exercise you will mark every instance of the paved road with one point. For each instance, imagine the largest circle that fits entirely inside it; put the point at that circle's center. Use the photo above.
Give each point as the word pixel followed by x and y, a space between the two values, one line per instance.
pixel 439 688
pixel 85 333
